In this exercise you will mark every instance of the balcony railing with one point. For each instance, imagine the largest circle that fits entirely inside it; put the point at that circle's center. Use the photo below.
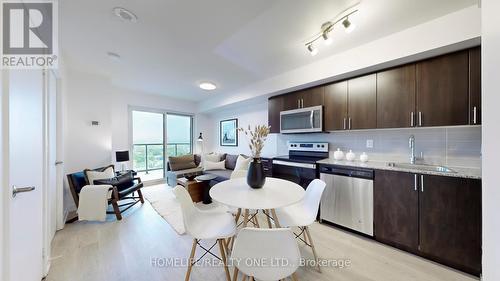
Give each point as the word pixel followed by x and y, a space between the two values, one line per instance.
pixel 150 156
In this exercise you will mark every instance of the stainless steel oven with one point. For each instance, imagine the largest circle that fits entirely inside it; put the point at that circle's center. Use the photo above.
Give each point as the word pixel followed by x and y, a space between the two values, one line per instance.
pixel 302 120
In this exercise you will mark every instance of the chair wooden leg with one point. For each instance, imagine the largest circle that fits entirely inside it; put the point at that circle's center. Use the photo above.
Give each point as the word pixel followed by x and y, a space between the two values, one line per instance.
pixel 304 234
pixel 140 196
pixel 191 258
pixel 256 220
pixel 224 259
pixel 238 214
pixel 116 209
pixel 266 212
pixel 294 277
pixel 225 242
pixel 313 248
pixel 235 274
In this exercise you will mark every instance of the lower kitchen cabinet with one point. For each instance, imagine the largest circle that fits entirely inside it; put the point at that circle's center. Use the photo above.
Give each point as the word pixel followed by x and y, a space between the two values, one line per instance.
pixel 436 217
pixel 395 215
pixel 450 221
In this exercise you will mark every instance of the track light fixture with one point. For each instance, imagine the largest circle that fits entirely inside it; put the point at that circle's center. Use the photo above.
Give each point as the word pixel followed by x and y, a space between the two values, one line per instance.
pixel 327 28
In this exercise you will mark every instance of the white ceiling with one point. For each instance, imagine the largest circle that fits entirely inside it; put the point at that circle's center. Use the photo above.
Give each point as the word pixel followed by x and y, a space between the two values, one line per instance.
pixel 177 43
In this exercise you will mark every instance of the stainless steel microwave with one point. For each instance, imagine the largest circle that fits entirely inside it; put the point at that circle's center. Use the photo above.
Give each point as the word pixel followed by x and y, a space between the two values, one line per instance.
pixel 302 120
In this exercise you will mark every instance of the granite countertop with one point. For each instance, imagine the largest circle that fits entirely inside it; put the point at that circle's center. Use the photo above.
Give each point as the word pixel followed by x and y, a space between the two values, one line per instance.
pixel 461 172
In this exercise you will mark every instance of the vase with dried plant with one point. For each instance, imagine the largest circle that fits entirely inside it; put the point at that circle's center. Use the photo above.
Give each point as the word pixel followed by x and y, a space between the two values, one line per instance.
pixel 256 139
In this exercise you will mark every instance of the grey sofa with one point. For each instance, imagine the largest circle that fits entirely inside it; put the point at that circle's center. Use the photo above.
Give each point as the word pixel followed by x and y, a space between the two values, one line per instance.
pixel 222 175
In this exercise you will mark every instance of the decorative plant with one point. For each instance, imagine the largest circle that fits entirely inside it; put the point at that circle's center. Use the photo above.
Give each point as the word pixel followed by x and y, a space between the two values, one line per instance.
pixel 256 138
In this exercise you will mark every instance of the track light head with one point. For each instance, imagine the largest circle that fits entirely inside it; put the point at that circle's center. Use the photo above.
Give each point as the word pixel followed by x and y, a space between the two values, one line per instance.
pixel 312 50
pixel 328 40
pixel 349 26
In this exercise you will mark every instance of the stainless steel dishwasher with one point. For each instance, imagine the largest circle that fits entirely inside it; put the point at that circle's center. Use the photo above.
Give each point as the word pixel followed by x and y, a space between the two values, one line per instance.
pixel 348 197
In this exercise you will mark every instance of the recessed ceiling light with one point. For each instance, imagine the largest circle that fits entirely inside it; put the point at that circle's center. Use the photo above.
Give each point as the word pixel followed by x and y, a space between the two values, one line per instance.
pixel 208 86
pixel 124 14
pixel 114 56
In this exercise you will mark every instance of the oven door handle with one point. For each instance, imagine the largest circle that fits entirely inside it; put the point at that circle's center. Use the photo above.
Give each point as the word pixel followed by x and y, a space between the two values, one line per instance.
pixel 294 164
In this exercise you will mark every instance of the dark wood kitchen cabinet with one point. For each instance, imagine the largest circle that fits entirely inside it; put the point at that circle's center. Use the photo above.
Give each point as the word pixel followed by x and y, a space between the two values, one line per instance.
pixel 335 109
pixel 275 106
pixel 362 102
pixel 396 97
pixel 437 217
pixel 442 90
pixel 304 98
pixel 395 216
pixel 450 221
pixel 475 86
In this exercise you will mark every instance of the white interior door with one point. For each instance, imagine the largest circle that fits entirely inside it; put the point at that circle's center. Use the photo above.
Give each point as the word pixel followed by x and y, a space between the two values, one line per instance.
pixel 50 191
pixel 23 226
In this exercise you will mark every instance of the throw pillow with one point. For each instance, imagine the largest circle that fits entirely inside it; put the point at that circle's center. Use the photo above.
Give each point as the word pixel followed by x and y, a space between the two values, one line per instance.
pixel 107 173
pixel 242 163
pixel 214 165
pixel 181 162
pixel 212 157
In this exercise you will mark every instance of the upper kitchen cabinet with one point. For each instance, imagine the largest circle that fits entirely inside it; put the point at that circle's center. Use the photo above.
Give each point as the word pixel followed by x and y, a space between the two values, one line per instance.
pixel 313 96
pixel 475 86
pixel 396 97
pixel 275 106
pixel 442 90
pixel 336 106
pixel 362 102
pixel 304 98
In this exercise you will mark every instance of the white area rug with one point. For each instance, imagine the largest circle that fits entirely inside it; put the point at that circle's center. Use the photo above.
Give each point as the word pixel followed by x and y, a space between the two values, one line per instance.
pixel 163 200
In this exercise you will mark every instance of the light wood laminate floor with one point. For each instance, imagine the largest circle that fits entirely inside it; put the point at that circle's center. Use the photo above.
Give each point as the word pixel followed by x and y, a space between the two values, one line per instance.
pixel 126 250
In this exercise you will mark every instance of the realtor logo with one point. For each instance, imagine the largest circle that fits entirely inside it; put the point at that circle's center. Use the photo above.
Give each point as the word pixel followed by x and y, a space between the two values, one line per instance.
pixel 29 34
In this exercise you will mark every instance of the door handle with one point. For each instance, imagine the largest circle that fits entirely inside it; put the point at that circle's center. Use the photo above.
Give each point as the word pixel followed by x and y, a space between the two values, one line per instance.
pixel 58 162
pixel 416 182
pixel 420 119
pixel 311 119
pixel 474 109
pixel 350 123
pixel 298 103
pixel 412 119
pixel 16 190
pixel 345 121
pixel 301 103
pixel 422 183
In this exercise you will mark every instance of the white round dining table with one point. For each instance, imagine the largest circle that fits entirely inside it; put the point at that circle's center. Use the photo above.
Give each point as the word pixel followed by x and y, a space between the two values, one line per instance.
pixel 276 193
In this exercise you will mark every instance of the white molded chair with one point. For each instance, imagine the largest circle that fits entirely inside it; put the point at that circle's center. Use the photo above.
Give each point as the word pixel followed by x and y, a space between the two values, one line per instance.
pixel 304 213
pixel 206 225
pixel 269 247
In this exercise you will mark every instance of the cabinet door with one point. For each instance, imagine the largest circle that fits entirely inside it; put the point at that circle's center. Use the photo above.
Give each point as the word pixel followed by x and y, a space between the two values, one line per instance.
pixel 442 90
pixel 475 86
pixel 396 209
pixel 450 221
pixel 396 97
pixel 335 106
pixel 362 102
pixel 312 97
pixel 291 101
pixel 275 106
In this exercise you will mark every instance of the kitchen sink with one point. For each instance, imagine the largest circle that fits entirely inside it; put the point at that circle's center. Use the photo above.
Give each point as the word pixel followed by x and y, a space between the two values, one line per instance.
pixel 422 167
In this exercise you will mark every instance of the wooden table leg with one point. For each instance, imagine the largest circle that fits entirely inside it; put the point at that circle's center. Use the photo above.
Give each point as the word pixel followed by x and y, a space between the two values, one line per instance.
pixel 245 218
pixel 266 212
pixel 276 222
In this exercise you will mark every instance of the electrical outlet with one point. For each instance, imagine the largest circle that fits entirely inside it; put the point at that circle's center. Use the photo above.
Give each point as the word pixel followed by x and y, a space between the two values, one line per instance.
pixel 369 143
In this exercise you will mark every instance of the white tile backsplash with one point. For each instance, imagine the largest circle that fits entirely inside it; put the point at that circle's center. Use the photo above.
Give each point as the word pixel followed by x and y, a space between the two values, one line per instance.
pixel 452 146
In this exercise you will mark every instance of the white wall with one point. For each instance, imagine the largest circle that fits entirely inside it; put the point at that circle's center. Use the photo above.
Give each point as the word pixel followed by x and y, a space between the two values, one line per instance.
pixel 3 181
pixel 250 114
pixel 491 137
pixel 461 27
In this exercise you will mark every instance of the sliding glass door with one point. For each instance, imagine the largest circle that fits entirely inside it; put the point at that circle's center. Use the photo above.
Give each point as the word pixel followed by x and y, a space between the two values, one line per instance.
pixel 157 135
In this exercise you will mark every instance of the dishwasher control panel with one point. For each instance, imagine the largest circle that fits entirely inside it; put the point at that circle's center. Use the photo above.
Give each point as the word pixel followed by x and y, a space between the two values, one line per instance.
pixel 347 171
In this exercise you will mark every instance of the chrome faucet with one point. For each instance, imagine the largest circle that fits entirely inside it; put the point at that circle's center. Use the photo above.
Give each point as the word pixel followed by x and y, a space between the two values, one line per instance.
pixel 411 143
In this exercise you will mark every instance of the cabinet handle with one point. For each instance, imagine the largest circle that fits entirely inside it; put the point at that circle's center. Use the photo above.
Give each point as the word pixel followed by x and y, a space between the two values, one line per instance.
pixel 474 109
pixel 416 182
pixel 350 123
pixel 420 118
pixel 422 183
pixel 412 119
pixel 298 103
pixel 302 103
pixel 345 120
